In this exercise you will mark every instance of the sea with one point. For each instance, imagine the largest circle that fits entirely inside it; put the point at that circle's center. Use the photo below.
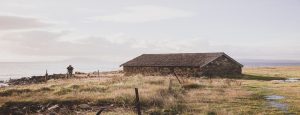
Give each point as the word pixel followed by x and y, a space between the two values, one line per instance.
pixel 13 70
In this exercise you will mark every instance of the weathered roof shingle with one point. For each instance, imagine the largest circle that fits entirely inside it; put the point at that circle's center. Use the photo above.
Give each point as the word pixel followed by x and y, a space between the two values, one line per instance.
pixel 176 59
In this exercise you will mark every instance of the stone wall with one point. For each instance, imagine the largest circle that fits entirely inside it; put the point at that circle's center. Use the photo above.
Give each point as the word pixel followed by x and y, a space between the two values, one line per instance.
pixel 181 71
pixel 221 67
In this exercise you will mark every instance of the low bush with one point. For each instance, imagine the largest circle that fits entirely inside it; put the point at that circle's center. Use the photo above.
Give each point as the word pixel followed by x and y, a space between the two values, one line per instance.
pixel 63 91
pixel 192 86
pixel 11 92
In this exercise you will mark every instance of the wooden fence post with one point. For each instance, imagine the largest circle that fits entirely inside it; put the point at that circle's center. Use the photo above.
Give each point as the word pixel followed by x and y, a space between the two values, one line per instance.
pixel 46 75
pixel 170 84
pixel 178 79
pixel 101 110
pixel 137 99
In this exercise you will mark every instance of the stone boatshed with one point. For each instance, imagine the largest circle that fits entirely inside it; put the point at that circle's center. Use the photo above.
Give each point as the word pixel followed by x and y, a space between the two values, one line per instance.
pixel 184 64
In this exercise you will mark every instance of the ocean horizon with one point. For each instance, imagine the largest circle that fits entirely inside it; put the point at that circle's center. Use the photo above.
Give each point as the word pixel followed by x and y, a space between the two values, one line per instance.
pixel 14 70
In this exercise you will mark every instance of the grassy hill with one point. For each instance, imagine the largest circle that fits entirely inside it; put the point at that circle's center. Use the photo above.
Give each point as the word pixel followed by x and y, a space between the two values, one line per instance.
pixel 158 94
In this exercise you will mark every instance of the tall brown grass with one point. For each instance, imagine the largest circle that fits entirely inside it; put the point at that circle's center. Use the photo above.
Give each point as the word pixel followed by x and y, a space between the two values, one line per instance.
pixel 158 94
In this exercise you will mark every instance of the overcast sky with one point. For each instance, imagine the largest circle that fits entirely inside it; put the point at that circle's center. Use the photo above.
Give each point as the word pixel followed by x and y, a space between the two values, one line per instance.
pixel 118 30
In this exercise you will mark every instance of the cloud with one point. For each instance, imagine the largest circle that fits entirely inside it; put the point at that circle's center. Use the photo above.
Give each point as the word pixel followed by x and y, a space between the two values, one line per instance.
pixel 140 14
pixel 16 22
pixel 171 45
pixel 46 43
pixel 32 42
pixel 119 47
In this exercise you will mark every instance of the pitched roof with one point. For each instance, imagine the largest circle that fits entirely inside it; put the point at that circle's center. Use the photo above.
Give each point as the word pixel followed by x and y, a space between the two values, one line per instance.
pixel 176 59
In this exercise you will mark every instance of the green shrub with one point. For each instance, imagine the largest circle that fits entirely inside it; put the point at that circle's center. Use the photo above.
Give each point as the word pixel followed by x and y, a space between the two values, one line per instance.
pixel 94 89
pixel 75 86
pixel 192 86
pixel 11 92
pixel 63 91
pixel 157 82
pixel 44 89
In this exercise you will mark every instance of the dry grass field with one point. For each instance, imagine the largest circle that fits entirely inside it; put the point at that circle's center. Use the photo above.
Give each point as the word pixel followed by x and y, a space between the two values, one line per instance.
pixel 290 90
pixel 287 72
pixel 159 95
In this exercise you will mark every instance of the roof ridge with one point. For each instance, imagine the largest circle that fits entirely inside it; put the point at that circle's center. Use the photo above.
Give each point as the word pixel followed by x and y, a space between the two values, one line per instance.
pixel 185 53
pixel 175 59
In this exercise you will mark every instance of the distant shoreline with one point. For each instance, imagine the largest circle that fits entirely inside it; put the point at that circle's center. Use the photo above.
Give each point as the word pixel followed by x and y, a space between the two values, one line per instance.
pixel 271 64
pixel 18 70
